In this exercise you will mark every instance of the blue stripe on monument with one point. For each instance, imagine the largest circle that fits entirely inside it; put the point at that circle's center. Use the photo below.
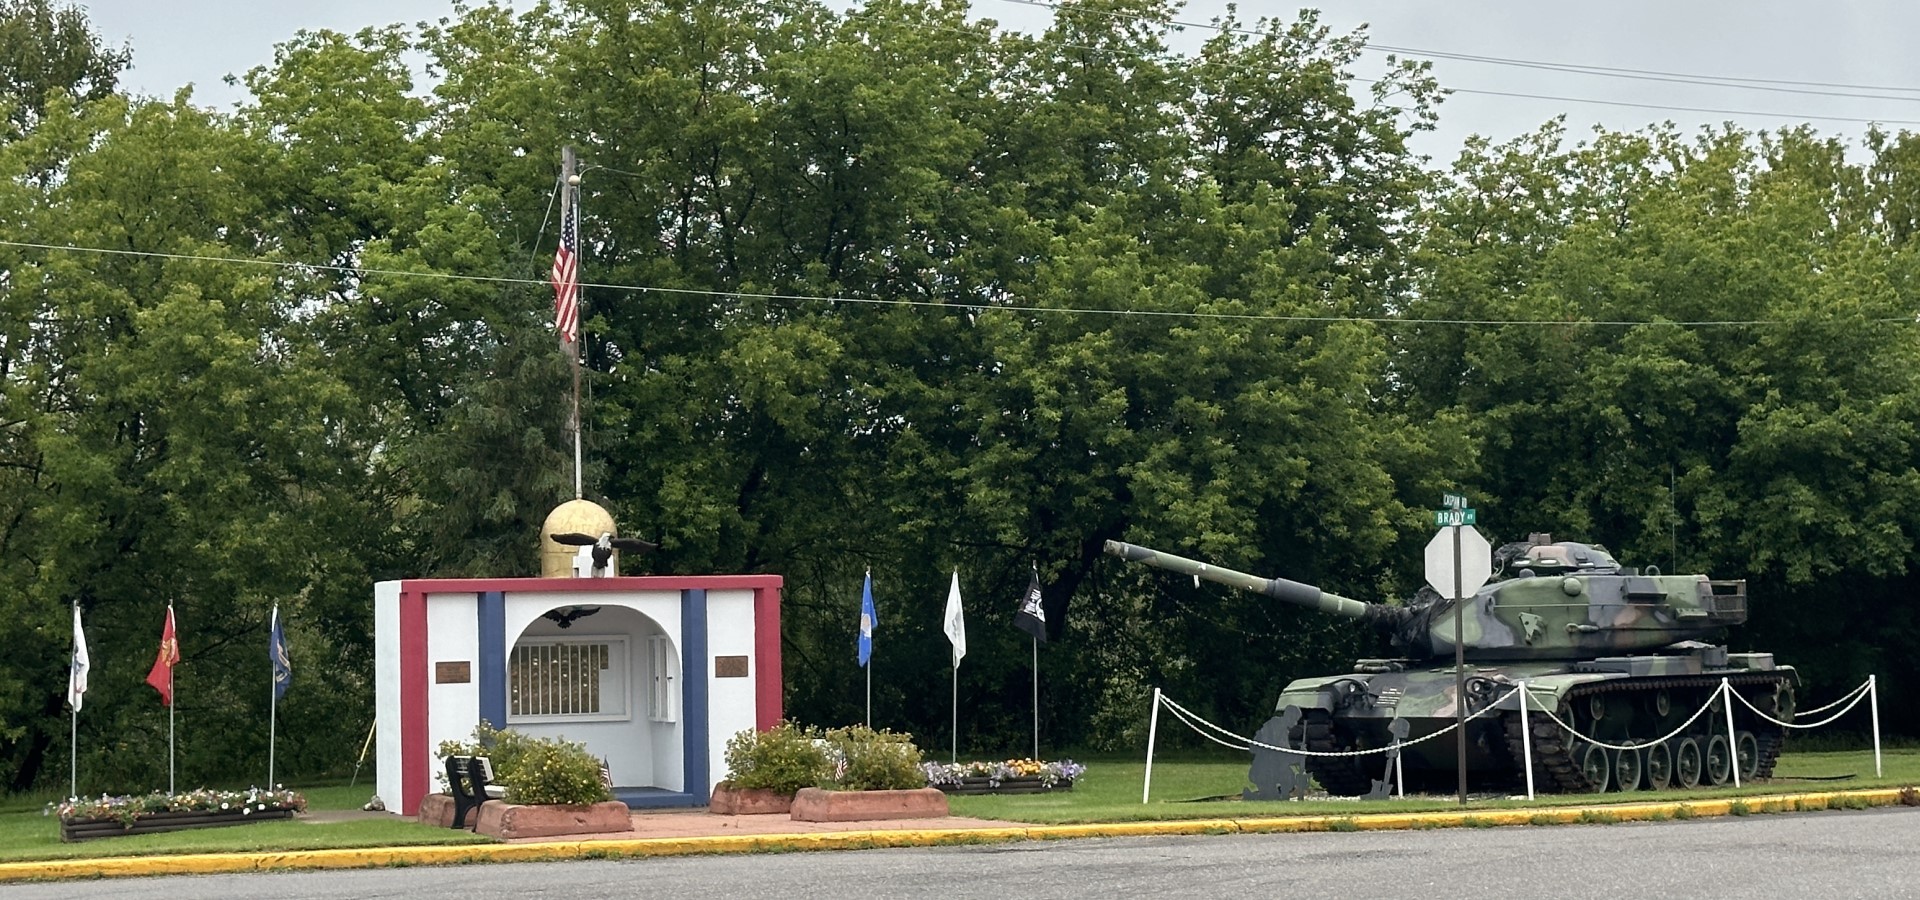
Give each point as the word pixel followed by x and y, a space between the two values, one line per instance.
pixel 493 658
pixel 693 686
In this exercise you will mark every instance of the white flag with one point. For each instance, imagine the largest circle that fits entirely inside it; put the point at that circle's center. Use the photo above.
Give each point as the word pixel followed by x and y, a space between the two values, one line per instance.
pixel 77 679
pixel 956 624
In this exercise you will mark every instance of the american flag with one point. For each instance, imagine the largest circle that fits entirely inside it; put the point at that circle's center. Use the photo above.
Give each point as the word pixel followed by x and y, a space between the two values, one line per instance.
pixel 566 274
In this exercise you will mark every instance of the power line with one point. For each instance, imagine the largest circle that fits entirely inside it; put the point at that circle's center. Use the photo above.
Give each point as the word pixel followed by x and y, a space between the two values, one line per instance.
pixel 1606 71
pixel 1671 108
pixel 1738 81
pixel 938 304
pixel 1719 81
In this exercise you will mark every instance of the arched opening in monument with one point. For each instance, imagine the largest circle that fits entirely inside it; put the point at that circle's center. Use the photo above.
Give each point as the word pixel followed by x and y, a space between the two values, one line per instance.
pixel 605 674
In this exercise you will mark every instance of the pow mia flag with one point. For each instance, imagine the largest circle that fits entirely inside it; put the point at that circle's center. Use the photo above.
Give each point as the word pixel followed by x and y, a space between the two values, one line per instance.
pixel 1032 615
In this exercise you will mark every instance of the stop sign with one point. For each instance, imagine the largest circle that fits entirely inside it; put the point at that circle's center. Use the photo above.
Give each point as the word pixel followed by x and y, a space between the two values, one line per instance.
pixel 1476 561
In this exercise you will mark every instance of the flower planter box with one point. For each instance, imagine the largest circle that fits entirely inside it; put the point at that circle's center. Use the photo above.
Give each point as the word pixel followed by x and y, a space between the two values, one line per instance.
pixel 816 805
pixel 1018 785
pixel 151 823
pixel 728 800
pixel 508 821
pixel 437 810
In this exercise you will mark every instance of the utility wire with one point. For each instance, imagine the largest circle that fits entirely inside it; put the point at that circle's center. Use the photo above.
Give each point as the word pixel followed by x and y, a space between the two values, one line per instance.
pixel 1670 108
pixel 1606 71
pixel 938 304
pixel 1570 68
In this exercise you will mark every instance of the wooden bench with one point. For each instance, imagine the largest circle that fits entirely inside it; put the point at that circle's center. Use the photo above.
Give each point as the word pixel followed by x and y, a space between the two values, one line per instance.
pixel 470 782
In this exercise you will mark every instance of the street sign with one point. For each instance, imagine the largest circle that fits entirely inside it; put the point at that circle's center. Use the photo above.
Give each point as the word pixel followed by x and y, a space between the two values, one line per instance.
pixel 1454 501
pixel 1476 562
pixel 1444 517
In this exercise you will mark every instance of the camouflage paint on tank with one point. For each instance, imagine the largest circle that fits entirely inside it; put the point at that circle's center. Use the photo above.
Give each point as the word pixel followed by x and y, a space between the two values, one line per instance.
pixel 1559 616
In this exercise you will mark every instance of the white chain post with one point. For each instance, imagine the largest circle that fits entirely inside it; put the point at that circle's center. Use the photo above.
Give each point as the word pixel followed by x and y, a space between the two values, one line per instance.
pixel 1873 690
pixel 1526 740
pixel 1733 744
pixel 1400 773
pixel 1153 730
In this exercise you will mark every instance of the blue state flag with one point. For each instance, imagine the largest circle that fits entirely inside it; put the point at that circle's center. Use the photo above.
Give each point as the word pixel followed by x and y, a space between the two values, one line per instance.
pixel 282 666
pixel 867 620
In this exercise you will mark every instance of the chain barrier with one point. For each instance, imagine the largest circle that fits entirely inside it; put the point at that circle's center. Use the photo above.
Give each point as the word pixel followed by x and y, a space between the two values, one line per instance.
pixel 1183 714
pixel 1201 726
pixel 1850 695
pixel 1660 740
pixel 1858 695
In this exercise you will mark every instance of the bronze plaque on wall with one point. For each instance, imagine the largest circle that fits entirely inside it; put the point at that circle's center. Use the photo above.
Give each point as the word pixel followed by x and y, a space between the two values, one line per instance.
pixel 729 667
pixel 452 672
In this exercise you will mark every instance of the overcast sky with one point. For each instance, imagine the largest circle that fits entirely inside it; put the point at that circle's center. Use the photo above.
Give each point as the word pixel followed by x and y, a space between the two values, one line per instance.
pixel 1839 47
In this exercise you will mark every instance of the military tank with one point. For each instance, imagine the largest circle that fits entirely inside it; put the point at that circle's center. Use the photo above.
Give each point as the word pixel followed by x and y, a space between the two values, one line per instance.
pixel 1622 655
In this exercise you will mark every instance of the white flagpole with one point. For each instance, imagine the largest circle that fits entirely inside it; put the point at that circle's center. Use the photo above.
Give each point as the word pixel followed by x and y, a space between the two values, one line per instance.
pixel 954 623
pixel 73 741
pixel 273 692
pixel 1036 698
pixel 173 700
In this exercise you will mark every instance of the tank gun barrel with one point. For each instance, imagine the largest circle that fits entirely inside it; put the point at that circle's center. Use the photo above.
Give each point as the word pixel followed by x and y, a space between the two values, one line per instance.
pixel 1278 588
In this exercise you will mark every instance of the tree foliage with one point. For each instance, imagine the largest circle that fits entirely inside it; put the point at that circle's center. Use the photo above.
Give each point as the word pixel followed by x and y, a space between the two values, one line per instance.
pixel 895 289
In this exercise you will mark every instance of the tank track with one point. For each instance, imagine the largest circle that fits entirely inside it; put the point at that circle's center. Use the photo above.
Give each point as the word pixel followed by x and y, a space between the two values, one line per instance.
pixel 1553 754
pixel 1341 776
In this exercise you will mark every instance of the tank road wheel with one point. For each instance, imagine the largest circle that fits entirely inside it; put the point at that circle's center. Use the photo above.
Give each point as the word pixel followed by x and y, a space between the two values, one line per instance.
pixel 1719 758
pixel 1687 766
pixel 1659 766
pixel 1594 766
pixel 1746 750
pixel 1628 765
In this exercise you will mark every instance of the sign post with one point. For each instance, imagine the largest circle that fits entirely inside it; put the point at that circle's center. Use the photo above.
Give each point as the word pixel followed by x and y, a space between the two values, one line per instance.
pixel 1457 565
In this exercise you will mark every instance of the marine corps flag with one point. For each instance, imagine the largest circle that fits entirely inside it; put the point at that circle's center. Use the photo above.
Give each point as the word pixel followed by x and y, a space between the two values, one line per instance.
pixel 1032 615
pixel 161 676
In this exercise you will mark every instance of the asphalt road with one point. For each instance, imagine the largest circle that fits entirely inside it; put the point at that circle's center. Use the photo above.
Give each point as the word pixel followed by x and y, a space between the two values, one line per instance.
pixel 1870 853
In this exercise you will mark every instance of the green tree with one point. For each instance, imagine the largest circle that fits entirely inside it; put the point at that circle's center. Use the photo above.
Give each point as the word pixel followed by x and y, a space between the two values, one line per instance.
pixel 49 49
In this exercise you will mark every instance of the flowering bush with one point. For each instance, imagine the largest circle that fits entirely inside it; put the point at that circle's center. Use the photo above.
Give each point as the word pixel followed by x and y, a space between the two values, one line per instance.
pixel 782 759
pixel 129 808
pixel 862 759
pixel 533 770
pixel 1051 774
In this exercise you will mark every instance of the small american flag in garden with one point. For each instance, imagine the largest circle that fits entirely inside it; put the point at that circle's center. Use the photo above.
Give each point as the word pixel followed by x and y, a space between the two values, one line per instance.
pixel 566 275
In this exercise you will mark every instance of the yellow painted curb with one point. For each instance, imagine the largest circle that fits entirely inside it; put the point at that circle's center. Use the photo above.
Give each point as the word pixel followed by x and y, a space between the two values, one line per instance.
pixel 213 863
pixel 1134 829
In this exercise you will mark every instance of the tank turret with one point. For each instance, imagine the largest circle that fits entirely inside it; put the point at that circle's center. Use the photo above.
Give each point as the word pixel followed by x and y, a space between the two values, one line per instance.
pixel 1552 600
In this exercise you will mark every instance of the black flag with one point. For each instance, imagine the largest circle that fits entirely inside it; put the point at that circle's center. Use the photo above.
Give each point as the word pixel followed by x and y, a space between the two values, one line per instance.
pixel 1032 617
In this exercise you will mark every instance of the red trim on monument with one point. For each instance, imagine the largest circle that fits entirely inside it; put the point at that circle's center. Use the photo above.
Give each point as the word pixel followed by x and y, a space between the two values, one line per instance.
pixel 766 653
pixel 568 585
pixel 414 766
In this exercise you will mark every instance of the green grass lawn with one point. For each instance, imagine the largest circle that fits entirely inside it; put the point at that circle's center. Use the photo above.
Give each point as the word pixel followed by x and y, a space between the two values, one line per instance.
pixel 1110 790
pixel 27 834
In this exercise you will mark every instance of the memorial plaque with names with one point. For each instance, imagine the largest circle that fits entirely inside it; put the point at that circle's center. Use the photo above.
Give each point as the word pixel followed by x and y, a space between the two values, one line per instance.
pixel 452 672
pixel 729 667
